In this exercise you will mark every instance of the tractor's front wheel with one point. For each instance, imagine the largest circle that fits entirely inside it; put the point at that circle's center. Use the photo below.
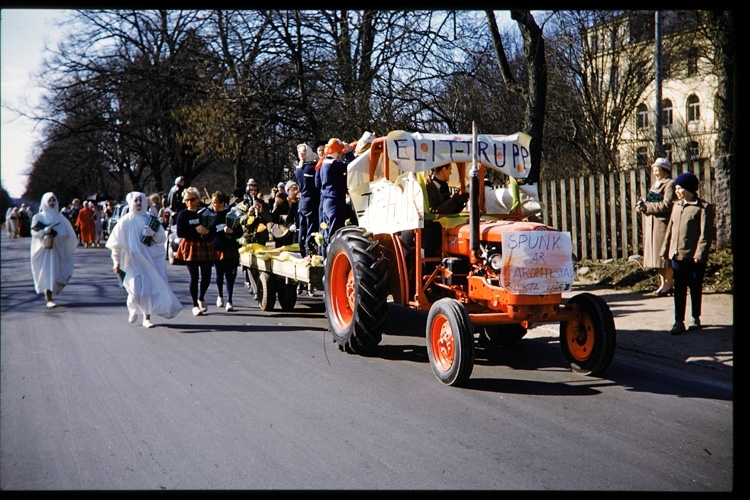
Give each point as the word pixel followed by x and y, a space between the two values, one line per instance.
pixel 355 289
pixel 450 341
pixel 589 342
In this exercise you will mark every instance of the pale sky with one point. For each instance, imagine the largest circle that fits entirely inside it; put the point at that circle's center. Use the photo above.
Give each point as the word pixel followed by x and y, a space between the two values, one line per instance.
pixel 23 33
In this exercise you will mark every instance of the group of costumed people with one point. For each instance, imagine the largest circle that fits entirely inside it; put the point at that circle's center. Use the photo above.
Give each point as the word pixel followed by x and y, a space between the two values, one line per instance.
pixel 137 241
pixel 138 255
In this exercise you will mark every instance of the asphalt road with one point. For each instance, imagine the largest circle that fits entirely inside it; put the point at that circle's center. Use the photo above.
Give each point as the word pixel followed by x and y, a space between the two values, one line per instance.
pixel 255 400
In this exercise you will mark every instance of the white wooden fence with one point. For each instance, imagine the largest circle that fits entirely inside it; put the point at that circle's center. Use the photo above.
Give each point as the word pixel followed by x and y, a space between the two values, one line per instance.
pixel 598 210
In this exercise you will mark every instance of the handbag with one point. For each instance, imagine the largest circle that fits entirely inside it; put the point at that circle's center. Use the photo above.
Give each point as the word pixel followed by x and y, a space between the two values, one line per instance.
pixel 654 197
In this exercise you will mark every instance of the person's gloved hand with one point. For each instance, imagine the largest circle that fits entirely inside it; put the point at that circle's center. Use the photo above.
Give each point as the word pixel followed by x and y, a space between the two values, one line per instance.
pixel 293 228
pixel 147 231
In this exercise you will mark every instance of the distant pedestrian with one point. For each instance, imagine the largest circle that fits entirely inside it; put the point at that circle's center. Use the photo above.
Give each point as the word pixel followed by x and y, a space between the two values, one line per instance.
pixel 53 244
pixel 11 222
pixel 86 224
pixel 656 209
pixel 24 222
pixel 688 240
pixel 139 256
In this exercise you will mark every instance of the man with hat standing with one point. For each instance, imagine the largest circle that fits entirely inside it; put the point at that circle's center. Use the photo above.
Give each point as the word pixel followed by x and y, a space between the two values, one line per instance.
pixel 689 234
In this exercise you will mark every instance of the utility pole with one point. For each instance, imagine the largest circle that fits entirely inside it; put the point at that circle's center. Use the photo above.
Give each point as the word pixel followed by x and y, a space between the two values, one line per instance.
pixel 658 139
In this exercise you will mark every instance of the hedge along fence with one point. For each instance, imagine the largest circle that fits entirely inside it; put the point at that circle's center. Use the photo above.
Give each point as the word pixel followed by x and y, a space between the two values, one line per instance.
pixel 599 209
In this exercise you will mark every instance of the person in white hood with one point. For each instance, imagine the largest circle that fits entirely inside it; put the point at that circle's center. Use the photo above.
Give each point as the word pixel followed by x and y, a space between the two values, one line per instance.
pixel 53 243
pixel 139 258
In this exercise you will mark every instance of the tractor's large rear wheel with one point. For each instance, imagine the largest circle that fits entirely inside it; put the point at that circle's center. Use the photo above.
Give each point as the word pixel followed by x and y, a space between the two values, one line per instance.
pixel 588 344
pixel 450 341
pixel 356 290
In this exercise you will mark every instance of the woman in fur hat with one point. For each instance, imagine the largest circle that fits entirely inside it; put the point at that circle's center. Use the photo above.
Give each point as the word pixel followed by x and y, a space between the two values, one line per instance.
pixel 656 209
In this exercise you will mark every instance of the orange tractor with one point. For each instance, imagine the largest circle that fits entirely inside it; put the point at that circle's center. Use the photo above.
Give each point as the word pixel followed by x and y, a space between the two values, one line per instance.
pixel 494 275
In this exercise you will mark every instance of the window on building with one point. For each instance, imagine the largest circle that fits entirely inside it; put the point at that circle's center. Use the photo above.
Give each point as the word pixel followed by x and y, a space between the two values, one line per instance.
pixel 666 66
pixel 641 116
pixel 641 157
pixel 692 151
pixel 594 43
pixel 692 62
pixel 666 112
pixel 693 108
pixel 667 148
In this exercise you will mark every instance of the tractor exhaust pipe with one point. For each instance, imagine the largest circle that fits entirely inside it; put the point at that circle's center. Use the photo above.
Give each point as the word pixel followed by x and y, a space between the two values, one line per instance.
pixel 474 196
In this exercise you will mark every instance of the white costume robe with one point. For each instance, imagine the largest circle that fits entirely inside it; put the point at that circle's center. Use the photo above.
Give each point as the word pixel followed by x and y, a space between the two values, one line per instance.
pixel 52 268
pixel 144 265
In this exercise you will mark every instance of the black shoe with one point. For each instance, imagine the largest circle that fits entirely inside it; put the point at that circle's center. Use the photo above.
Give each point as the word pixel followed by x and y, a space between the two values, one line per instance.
pixel 664 293
pixel 677 328
pixel 695 324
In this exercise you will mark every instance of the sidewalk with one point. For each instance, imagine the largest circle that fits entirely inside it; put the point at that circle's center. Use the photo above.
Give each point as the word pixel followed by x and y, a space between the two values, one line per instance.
pixel 643 322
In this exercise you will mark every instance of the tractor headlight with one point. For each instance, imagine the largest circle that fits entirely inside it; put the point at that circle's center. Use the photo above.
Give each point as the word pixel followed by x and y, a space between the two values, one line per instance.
pixel 496 261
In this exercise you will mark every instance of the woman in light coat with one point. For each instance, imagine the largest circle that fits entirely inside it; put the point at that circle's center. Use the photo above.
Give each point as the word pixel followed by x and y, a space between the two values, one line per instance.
pixel 53 243
pixel 656 209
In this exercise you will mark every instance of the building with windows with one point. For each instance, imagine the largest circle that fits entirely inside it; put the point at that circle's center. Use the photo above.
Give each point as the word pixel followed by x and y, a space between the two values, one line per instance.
pixel 688 92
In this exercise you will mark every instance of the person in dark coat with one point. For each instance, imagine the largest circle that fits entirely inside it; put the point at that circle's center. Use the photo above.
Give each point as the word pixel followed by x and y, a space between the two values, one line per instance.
pixel 330 177
pixel 227 250
pixel 690 232
pixel 309 198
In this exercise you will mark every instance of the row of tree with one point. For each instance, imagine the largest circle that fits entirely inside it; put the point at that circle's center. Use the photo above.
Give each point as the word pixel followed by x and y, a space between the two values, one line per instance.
pixel 138 97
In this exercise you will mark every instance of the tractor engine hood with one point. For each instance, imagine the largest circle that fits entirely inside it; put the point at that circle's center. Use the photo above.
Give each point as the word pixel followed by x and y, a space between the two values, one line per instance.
pixel 458 237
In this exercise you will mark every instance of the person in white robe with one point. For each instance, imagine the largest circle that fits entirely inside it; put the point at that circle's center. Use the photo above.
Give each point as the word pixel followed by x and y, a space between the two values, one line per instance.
pixel 138 251
pixel 53 243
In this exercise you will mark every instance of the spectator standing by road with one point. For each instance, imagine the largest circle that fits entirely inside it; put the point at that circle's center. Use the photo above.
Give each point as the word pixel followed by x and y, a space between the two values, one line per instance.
pixel 138 255
pixel 175 196
pixel 53 243
pixel 656 209
pixel 309 197
pixel 195 249
pixel 689 235
pixel 330 178
pixel 227 250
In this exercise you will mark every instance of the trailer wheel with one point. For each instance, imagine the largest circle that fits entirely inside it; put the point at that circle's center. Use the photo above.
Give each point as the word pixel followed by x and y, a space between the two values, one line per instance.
pixel 287 294
pixel 589 343
pixel 266 291
pixel 355 287
pixel 501 335
pixel 450 341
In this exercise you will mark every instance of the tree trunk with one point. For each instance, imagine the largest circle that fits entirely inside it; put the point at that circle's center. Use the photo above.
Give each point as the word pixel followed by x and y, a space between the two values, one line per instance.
pixel 723 169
